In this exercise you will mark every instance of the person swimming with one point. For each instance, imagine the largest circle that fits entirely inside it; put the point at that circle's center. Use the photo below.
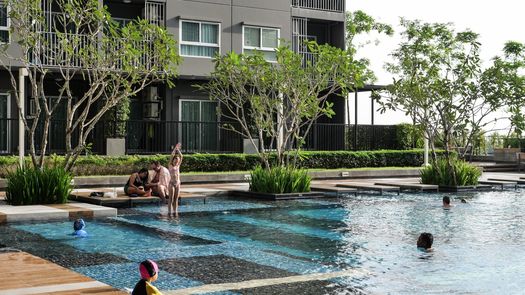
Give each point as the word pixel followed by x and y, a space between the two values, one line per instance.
pixel 446 202
pixel 425 241
pixel 78 227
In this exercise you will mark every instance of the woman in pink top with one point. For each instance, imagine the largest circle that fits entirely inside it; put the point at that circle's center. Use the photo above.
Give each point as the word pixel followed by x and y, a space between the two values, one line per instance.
pixel 175 161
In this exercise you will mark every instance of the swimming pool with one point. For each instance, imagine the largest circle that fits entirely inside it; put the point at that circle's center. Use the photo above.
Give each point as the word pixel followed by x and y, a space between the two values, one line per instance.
pixel 478 245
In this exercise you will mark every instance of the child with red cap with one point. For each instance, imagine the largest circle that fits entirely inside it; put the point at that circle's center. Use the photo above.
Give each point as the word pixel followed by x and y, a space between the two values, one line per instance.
pixel 149 273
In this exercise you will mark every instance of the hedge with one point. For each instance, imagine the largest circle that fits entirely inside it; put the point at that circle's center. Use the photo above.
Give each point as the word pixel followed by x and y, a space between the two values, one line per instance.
pixel 104 165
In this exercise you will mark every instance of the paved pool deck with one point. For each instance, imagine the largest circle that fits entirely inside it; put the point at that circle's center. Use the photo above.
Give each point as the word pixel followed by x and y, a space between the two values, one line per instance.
pixel 28 274
pixel 67 211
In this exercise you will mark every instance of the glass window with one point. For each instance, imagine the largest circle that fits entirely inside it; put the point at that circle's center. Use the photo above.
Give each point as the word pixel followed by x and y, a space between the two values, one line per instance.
pixel 264 40
pixel 190 32
pixel 4 23
pixel 199 39
pixel 269 38
pixel 252 37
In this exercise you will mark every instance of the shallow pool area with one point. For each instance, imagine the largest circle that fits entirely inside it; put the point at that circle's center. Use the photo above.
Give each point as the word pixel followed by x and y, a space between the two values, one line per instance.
pixel 477 245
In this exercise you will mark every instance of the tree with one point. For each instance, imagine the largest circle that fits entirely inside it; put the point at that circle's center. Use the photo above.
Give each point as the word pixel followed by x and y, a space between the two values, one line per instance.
pixel 439 82
pixel 506 82
pixel 82 42
pixel 275 104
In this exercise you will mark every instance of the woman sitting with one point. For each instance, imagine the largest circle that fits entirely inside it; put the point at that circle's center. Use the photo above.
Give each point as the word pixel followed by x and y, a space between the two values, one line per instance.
pixel 135 185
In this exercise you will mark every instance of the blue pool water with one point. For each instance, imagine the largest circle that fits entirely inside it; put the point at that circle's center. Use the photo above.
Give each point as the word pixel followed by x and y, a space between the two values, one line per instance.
pixel 478 245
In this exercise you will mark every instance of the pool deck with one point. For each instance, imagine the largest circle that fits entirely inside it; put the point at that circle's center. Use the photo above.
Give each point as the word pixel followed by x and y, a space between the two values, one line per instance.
pixel 94 207
pixel 70 210
pixel 28 274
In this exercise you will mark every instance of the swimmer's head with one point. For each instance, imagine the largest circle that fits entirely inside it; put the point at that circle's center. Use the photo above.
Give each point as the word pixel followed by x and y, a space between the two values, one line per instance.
pixel 149 270
pixel 79 224
pixel 425 241
pixel 446 200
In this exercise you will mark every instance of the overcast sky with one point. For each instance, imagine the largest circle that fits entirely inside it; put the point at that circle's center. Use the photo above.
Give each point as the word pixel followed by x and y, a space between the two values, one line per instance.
pixel 495 21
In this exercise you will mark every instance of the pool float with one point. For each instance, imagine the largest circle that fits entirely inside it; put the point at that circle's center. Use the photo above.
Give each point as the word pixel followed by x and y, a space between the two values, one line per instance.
pixel 78 226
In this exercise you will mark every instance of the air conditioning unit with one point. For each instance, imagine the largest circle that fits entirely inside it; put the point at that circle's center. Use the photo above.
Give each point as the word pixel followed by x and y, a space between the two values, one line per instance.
pixel 151 94
pixel 151 110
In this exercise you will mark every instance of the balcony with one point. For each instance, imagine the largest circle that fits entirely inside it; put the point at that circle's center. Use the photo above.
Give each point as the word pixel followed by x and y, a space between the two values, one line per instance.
pixel 323 5
pixel 51 51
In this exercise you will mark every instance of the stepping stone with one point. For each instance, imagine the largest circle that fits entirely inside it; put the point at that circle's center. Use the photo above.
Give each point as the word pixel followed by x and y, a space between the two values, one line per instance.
pixel 518 181
pixel 411 186
pixel 333 190
pixel 370 187
pixel 499 183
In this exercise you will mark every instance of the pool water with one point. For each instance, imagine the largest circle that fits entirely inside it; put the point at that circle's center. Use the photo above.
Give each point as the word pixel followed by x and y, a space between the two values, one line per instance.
pixel 478 246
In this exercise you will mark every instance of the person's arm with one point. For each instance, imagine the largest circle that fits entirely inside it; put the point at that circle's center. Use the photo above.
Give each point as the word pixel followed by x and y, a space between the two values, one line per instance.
pixel 180 159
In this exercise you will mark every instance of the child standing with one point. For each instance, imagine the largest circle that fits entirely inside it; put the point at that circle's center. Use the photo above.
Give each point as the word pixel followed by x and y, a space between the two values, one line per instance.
pixel 174 168
pixel 149 273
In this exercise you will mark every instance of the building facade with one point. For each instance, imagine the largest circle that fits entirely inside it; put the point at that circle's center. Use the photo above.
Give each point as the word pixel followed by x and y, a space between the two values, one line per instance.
pixel 162 116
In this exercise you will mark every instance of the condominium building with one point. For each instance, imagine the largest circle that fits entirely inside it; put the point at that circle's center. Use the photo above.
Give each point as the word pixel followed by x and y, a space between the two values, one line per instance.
pixel 161 116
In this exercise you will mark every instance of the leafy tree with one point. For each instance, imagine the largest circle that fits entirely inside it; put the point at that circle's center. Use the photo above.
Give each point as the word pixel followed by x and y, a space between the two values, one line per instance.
pixel 507 83
pixel 439 82
pixel 82 42
pixel 277 103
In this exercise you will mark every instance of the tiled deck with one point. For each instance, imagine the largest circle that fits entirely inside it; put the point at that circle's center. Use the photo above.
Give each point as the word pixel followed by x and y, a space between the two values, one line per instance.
pixel 28 274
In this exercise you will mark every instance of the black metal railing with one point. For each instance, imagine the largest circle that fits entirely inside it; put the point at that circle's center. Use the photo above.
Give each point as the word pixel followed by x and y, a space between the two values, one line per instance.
pixel 152 137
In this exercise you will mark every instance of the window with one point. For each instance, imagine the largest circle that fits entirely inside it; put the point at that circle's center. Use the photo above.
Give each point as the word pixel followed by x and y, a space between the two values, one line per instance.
pixel 199 39
pixel 265 40
pixel 4 23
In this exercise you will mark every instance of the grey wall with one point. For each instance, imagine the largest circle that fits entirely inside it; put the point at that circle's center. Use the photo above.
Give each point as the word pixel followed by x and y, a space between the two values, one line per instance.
pixel 231 14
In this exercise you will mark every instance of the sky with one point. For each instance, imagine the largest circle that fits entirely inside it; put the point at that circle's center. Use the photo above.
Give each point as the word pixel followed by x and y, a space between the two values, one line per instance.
pixel 495 21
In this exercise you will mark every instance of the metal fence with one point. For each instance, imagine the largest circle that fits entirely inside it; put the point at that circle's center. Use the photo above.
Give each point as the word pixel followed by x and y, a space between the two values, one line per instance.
pixel 152 137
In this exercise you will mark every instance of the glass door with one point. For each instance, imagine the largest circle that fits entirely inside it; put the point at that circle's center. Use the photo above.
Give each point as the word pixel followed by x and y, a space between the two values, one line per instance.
pixel 198 125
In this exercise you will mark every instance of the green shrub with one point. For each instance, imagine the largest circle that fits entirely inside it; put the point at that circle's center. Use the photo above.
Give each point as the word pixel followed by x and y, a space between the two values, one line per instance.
pixel 438 173
pixel 29 186
pixel 124 165
pixel 279 180
pixel 408 136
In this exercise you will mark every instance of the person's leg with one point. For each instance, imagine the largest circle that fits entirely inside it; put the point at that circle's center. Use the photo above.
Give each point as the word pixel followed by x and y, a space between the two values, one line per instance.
pixel 170 199
pixel 176 199
pixel 139 191
pixel 161 191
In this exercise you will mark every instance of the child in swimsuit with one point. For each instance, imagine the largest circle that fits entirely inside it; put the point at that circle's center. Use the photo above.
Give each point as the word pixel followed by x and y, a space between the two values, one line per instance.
pixel 149 273
pixel 174 168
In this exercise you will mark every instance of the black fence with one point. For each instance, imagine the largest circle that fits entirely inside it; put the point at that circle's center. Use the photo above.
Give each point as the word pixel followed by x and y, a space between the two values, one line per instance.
pixel 153 137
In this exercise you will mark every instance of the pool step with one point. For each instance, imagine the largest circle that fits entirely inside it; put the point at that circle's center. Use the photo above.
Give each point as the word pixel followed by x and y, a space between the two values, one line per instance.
pixel 520 181
pixel 370 187
pixel 333 189
pixel 500 183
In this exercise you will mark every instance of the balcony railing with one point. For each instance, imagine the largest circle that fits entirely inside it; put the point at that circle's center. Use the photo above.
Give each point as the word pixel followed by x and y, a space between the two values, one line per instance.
pixel 324 5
